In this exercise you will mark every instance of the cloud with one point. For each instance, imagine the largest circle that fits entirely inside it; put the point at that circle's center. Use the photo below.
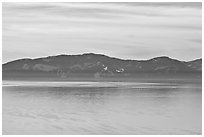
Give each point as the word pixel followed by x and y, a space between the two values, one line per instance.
pixel 197 40
pixel 127 30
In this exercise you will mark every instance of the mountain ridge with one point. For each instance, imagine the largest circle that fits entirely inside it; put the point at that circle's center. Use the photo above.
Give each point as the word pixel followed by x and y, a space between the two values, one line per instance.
pixel 162 56
pixel 97 65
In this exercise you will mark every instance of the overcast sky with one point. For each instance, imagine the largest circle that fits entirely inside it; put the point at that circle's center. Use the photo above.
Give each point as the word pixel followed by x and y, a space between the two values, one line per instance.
pixel 123 30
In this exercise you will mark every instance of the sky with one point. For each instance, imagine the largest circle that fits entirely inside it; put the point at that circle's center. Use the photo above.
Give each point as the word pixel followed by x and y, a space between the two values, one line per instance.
pixel 135 30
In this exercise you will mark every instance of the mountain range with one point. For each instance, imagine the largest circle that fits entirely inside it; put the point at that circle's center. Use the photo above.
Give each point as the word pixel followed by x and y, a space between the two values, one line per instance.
pixel 98 66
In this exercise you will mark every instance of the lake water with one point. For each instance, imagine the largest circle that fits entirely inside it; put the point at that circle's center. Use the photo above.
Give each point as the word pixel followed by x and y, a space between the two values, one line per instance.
pixel 101 108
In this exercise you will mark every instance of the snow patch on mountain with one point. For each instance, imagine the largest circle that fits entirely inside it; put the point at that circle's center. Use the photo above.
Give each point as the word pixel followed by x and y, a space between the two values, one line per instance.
pixel 120 70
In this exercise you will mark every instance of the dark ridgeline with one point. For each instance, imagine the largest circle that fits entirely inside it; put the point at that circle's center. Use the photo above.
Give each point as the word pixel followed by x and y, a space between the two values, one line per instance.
pixel 98 66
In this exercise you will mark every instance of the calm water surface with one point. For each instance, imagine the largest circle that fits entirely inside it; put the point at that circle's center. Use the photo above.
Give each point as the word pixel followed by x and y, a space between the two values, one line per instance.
pixel 101 108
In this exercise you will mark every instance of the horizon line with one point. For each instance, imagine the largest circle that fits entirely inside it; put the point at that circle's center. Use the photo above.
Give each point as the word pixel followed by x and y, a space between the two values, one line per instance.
pixel 97 54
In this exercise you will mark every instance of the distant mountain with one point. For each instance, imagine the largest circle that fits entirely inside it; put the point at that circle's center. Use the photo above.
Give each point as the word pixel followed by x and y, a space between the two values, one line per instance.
pixel 96 66
pixel 195 64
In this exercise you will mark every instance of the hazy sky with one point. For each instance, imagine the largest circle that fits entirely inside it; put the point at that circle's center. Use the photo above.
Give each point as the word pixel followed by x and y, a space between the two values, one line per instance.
pixel 123 30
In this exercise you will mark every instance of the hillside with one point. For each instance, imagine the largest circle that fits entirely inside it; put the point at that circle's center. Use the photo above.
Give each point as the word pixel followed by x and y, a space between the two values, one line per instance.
pixel 96 66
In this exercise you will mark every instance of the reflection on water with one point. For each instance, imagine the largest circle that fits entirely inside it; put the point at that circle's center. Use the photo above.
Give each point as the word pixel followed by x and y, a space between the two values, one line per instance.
pixel 101 108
